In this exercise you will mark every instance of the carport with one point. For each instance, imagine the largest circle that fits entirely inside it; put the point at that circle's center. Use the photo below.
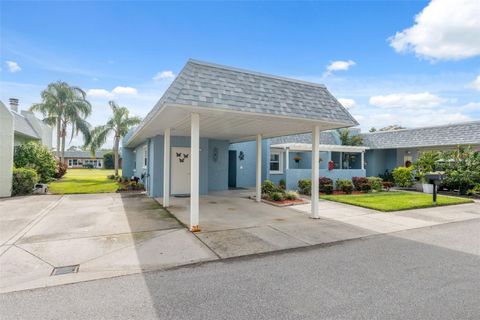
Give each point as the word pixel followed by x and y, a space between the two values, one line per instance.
pixel 228 104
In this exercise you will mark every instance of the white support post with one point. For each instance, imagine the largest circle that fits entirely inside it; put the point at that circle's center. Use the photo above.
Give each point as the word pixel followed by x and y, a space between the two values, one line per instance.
pixel 287 159
pixel 166 168
pixel 315 170
pixel 194 172
pixel 363 160
pixel 258 195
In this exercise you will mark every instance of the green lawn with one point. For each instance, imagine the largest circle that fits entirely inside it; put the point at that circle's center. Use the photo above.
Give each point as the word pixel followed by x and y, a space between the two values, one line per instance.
pixel 84 181
pixel 393 200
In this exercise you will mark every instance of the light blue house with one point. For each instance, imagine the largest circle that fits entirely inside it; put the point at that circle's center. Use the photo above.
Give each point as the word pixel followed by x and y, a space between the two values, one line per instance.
pixel 184 145
pixel 290 159
pixel 382 151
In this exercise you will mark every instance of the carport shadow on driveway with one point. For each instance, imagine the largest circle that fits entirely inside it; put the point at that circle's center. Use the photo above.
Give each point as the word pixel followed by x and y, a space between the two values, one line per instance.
pixel 105 234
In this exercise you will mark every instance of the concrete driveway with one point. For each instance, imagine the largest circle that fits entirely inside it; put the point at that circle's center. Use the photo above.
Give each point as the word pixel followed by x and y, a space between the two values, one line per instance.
pixel 233 225
pixel 104 234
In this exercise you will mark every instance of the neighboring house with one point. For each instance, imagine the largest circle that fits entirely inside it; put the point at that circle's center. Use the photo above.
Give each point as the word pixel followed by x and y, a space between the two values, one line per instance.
pixel 182 145
pixel 17 128
pixel 79 159
pixel 390 149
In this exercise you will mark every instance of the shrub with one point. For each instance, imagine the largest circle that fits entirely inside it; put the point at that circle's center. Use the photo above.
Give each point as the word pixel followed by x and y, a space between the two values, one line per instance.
pixel 88 166
pixel 305 186
pixel 358 181
pixel 366 187
pixel 340 183
pixel 111 176
pixel 328 188
pixel 277 196
pixel 60 169
pixel 268 187
pixel 322 182
pixel 348 189
pixel 108 161
pixel 282 184
pixel 462 169
pixel 387 185
pixel 403 176
pixel 23 181
pixel 291 195
pixel 36 156
pixel 376 183
pixel 387 176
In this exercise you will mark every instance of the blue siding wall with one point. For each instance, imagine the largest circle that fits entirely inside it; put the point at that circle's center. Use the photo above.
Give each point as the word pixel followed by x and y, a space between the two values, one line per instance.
pixel 213 174
pixel 380 160
pixel 246 168
pixel 217 165
pixel 127 162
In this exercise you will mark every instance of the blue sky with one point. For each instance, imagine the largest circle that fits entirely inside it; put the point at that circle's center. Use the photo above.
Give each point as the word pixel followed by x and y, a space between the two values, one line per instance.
pixel 130 51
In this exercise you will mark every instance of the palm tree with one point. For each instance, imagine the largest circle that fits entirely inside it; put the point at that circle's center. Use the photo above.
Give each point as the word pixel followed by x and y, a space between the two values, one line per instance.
pixel 349 140
pixel 118 125
pixel 64 106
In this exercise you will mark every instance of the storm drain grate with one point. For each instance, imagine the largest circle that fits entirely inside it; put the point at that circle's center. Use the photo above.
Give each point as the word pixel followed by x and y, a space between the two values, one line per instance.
pixel 57 271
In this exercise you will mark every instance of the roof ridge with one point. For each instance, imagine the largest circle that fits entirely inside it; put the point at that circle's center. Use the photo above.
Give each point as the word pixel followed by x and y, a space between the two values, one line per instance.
pixel 428 127
pixel 260 74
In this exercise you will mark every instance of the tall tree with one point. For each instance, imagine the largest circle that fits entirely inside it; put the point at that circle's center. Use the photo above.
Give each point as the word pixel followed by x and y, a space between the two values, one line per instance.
pixel 349 140
pixel 63 106
pixel 117 125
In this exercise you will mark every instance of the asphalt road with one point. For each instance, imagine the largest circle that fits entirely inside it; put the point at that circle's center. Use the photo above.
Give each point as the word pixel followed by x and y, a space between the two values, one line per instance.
pixel 429 273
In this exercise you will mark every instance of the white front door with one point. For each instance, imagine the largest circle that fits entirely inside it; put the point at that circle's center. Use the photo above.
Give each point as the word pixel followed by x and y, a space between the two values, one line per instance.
pixel 180 174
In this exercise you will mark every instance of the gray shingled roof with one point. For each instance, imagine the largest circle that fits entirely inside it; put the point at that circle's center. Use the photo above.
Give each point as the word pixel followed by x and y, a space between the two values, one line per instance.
pixel 210 85
pixel 326 137
pixel 447 135
pixel 22 126
pixel 84 154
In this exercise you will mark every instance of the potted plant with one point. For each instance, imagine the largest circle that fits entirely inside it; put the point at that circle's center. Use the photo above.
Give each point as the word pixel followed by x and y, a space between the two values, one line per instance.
pixel 297 158
pixel 426 164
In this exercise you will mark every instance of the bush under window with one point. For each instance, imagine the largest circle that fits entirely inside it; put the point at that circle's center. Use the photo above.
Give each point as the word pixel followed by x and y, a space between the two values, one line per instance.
pixel 403 176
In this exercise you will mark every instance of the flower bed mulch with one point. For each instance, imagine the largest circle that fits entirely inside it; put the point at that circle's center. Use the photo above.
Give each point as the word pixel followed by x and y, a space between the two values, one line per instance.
pixel 283 203
pixel 337 192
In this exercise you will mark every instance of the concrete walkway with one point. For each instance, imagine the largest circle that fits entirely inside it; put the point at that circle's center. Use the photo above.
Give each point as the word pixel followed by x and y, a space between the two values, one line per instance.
pixel 105 234
pixel 233 225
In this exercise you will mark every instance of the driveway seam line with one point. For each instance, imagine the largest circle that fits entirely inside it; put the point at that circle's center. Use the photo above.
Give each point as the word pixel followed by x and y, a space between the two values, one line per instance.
pixel 289 235
pixel 100 235
pixel 206 245
pixel 34 222
pixel 127 246
pixel 34 255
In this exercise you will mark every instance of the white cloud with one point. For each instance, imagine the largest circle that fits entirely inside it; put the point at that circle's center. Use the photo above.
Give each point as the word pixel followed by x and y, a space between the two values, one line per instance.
pixel 167 74
pixel 340 65
pixel 476 83
pixel 12 66
pixel 99 93
pixel 103 93
pixel 444 30
pixel 347 103
pixel 406 100
pixel 124 90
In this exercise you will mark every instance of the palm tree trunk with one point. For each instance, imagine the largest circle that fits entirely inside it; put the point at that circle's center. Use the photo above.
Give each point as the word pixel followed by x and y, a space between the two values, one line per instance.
pixel 64 134
pixel 58 137
pixel 115 153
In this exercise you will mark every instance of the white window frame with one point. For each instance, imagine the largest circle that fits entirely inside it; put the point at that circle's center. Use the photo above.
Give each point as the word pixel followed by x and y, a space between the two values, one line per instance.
pixel 280 162
pixel 145 157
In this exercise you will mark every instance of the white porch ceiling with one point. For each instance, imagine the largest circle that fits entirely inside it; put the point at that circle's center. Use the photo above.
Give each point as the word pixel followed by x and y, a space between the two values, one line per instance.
pixel 227 125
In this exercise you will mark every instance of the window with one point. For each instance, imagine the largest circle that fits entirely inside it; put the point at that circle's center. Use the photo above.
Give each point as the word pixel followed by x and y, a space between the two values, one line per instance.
pixel 276 162
pixel 145 159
